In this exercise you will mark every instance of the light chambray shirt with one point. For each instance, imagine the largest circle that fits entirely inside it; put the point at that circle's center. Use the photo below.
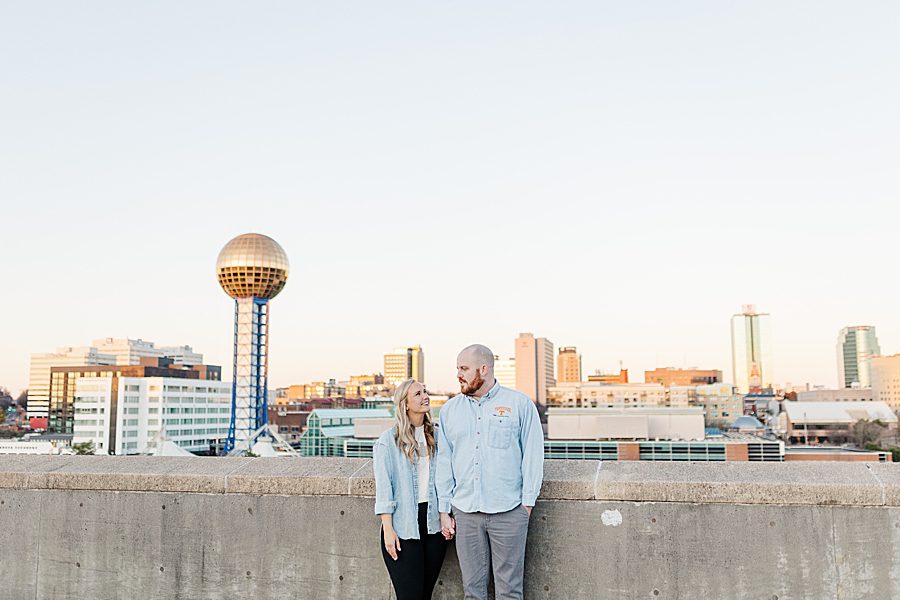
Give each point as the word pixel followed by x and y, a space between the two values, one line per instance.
pixel 490 452
pixel 397 489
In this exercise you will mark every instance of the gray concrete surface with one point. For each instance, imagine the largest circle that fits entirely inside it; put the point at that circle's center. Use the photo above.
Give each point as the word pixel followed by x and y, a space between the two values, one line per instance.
pixel 144 527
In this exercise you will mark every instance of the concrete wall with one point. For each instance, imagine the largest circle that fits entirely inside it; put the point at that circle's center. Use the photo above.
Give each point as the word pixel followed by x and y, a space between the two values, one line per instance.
pixel 147 527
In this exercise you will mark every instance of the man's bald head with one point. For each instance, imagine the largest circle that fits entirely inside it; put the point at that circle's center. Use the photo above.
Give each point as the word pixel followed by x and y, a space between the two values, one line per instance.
pixel 478 355
pixel 475 370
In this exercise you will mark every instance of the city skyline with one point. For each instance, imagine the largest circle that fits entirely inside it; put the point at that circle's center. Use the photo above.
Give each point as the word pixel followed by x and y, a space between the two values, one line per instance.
pixel 619 178
pixel 345 376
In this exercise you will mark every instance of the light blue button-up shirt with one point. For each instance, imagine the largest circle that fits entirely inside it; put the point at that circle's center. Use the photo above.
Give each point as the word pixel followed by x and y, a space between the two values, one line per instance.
pixel 490 452
pixel 397 488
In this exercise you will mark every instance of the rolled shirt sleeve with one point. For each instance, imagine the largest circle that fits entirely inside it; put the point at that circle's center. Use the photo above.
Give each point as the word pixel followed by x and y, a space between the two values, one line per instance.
pixel 444 481
pixel 384 484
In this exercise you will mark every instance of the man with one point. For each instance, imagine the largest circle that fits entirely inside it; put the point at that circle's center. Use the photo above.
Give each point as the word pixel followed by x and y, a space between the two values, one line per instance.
pixel 489 467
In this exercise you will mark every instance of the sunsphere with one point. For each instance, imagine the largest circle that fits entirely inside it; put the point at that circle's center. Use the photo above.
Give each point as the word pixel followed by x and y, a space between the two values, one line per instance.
pixel 252 265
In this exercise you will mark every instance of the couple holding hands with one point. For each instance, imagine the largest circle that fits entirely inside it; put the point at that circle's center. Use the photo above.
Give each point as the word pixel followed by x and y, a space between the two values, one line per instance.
pixel 474 478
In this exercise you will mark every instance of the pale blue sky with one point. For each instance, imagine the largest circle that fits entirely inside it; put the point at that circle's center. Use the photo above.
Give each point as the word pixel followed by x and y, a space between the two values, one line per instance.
pixel 618 176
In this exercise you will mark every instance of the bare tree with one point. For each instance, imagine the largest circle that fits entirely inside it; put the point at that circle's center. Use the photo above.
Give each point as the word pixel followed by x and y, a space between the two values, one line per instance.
pixel 865 432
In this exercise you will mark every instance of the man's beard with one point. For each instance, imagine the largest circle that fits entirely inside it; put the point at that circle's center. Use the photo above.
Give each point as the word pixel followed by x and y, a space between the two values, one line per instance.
pixel 470 388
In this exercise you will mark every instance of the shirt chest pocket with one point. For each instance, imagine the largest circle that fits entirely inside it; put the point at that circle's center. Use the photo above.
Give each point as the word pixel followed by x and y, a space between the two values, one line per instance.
pixel 499 432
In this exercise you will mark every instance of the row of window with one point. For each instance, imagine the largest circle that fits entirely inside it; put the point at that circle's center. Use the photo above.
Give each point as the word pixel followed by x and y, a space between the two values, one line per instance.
pixel 190 399
pixel 196 431
pixel 194 421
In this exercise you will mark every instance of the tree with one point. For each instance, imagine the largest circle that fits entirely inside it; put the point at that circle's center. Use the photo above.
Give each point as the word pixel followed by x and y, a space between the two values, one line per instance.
pixel 865 433
pixel 83 448
pixel 22 399
pixel 5 398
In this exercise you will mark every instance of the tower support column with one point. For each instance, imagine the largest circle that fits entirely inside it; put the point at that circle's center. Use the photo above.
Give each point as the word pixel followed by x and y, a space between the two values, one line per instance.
pixel 249 403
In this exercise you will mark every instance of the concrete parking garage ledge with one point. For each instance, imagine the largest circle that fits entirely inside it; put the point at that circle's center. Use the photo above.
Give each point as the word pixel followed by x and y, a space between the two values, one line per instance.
pixel 105 527
pixel 808 483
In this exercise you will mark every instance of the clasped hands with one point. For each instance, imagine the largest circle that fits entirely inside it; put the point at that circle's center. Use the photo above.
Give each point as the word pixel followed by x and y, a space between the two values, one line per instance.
pixel 448 526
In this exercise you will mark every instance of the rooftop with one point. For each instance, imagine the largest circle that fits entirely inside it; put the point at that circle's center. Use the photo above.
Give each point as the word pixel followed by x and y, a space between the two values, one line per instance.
pixel 351 413
pixel 839 412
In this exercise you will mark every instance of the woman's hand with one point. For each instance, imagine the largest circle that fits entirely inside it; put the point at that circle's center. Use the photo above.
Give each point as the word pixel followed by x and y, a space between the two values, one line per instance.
pixel 391 542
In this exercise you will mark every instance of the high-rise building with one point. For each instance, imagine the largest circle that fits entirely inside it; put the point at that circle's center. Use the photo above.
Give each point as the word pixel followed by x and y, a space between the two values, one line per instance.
pixel 534 366
pixel 885 372
pixel 751 353
pixel 39 377
pixel 669 376
pixel 132 409
pixel 505 371
pixel 855 348
pixel 403 364
pixel 105 351
pixel 568 365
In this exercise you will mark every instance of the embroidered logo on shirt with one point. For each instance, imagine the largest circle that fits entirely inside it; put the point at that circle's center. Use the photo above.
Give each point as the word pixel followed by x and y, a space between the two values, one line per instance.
pixel 502 411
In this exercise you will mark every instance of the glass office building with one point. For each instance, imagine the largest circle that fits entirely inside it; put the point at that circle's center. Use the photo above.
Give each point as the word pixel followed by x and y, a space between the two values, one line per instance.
pixel 855 348
pixel 751 352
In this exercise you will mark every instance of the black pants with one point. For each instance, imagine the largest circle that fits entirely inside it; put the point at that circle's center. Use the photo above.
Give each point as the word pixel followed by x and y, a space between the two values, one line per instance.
pixel 418 564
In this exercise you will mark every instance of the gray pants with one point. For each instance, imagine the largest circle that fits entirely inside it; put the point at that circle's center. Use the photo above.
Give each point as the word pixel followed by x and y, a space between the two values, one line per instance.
pixel 483 539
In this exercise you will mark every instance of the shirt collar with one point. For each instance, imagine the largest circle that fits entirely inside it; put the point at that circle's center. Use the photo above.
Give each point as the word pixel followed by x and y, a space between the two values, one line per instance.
pixel 490 394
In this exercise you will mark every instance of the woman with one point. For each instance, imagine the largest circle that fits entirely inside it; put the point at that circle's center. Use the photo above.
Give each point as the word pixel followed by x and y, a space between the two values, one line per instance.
pixel 405 497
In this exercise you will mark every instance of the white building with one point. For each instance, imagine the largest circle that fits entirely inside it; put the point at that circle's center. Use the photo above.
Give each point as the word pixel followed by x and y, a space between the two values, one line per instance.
pixel 193 413
pixel 625 424
pixel 182 355
pixel 842 395
pixel 130 352
pixel 831 422
pixel 106 351
pixel 32 447
pixel 126 350
pixel 505 371
pixel 605 395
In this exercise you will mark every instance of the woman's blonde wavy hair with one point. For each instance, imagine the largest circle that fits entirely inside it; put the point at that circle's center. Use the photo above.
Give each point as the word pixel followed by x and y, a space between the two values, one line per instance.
pixel 405 434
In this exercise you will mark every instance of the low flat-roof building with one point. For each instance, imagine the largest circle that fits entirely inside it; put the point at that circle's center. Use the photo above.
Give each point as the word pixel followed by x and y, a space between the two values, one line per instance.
pixel 605 395
pixel 669 376
pixel 289 419
pixel 837 454
pixel 625 424
pixel 842 395
pixel 33 446
pixel 328 428
pixel 830 422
